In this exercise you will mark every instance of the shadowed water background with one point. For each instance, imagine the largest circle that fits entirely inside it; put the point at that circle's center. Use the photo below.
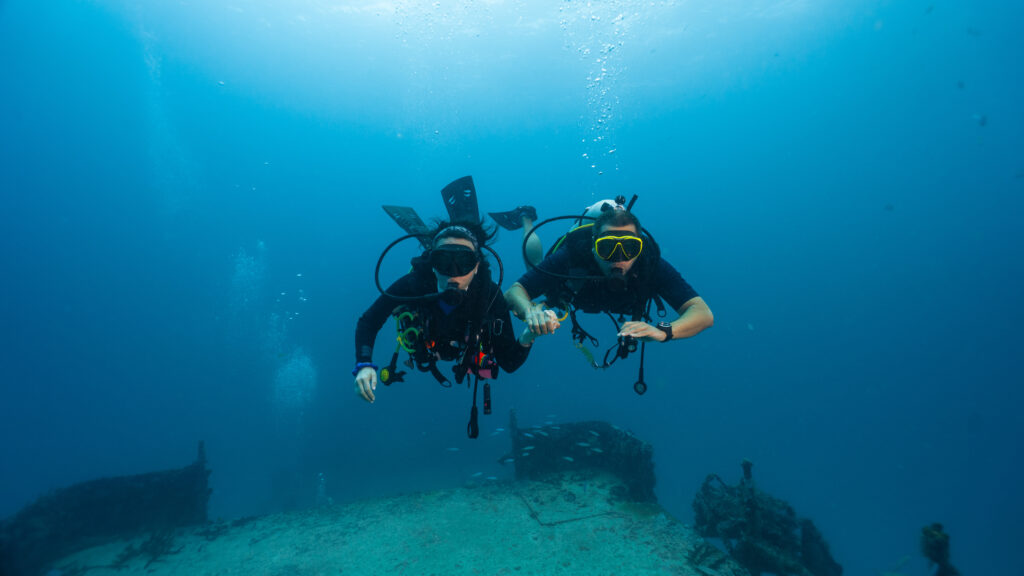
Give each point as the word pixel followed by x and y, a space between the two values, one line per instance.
pixel 191 217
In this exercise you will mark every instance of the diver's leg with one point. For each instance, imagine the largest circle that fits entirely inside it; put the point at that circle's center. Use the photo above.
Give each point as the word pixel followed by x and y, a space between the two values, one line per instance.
pixel 523 217
pixel 534 247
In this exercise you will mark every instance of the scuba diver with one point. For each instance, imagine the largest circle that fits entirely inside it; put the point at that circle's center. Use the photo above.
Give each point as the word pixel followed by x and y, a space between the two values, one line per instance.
pixel 607 263
pixel 447 307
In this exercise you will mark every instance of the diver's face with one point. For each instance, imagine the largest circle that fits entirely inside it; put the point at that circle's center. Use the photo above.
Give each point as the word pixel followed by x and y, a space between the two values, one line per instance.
pixel 619 267
pixel 462 282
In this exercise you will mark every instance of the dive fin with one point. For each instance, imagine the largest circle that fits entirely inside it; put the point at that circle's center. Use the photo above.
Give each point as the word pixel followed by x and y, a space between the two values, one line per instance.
pixel 513 219
pixel 410 221
pixel 460 200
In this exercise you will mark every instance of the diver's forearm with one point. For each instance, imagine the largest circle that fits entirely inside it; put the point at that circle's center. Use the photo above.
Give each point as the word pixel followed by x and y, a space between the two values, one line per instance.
pixel 519 301
pixel 694 317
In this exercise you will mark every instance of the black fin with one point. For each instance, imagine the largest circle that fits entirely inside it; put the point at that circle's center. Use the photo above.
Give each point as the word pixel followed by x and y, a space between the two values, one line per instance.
pixel 460 200
pixel 410 221
pixel 510 220
pixel 513 219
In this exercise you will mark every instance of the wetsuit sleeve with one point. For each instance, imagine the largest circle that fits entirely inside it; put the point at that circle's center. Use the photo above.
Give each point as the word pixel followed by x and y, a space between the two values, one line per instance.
pixel 671 286
pixel 507 350
pixel 375 316
pixel 537 284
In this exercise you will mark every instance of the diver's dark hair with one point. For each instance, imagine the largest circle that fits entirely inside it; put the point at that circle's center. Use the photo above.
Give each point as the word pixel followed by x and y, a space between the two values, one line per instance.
pixel 616 218
pixel 476 232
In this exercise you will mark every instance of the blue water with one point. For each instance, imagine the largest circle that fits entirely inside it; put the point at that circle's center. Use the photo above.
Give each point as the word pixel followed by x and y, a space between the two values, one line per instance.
pixel 190 220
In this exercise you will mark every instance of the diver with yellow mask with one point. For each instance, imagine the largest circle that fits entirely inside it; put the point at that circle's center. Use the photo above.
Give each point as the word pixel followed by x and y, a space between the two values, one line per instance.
pixel 608 263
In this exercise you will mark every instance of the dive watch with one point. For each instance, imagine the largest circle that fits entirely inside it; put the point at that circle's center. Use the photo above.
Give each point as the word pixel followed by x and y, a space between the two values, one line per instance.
pixel 666 328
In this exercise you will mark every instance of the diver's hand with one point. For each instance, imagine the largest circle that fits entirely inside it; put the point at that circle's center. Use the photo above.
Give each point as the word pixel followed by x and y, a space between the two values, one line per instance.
pixel 542 321
pixel 526 338
pixel 366 383
pixel 642 331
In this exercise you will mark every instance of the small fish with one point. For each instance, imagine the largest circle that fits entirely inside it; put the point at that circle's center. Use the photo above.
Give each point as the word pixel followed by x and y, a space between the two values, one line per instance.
pixel 526 454
pixel 452 449
pixel 508 460
pixel 542 433
pixel 530 447
pixel 598 450
pixel 595 433
pixel 478 474
pixel 492 478
pixel 584 444
pixel 556 427
pixel 527 434
pixel 568 458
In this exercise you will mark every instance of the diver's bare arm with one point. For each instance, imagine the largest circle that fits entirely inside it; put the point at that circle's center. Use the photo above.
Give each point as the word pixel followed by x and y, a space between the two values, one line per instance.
pixel 694 317
pixel 537 319
pixel 519 301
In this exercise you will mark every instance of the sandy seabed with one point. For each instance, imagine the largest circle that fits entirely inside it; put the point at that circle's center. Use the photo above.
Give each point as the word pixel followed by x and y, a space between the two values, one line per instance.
pixel 571 523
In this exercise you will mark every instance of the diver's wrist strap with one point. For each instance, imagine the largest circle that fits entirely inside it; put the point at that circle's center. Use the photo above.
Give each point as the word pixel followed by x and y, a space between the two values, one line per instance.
pixel 361 365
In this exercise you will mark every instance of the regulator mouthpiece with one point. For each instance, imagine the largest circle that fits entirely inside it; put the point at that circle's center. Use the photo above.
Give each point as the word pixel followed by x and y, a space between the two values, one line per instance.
pixel 453 295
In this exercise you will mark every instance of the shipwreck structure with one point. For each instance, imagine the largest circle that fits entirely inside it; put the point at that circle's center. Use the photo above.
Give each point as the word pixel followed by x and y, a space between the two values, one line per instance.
pixel 91 513
pixel 542 450
pixel 760 531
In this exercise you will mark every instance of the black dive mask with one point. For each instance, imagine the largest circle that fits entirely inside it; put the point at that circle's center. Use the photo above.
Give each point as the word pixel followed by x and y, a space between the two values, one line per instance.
pixel 453 260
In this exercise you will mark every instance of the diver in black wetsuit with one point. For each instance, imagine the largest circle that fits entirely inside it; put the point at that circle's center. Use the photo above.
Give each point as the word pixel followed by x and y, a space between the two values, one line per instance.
pixel 461 318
